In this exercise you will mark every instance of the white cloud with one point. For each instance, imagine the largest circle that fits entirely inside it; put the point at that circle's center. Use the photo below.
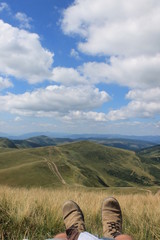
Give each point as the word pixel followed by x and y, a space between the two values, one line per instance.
pixel 157 124
pixel 22 56
pixel 24 20
pixel 5 83
pixel 74 54
pixel 144 104
pixel 126 28
pixel 68 76
pixel 89 116
pixel 57 100
pixel 4 6
pixel 134 72
pixel 127 33
pixel 149 95
pixel 17 119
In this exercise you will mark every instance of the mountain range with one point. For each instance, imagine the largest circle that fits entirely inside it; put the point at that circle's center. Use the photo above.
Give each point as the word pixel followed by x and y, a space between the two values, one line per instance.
pixel 149 138
pixel 41 141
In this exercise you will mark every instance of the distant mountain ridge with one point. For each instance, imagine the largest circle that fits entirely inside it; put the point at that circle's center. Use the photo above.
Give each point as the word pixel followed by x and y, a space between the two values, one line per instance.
pixel 41 141
pixel 154 139
pixel 6 143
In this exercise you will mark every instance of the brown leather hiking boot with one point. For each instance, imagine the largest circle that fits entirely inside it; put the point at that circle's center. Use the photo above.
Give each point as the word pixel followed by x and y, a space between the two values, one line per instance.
pixel 73 218
pixel 111 218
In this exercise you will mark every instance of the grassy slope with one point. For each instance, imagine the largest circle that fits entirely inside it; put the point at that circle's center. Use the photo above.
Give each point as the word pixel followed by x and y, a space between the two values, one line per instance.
pixel 34 142
pixel 80 163
pixel 113 166
pixel 150 158
pixel 26 168
pixel 128 144
pixel 6 143
pixel 47 141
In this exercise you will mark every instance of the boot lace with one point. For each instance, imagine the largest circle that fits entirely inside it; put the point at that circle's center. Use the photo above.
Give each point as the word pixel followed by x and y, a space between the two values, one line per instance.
pixel 113 228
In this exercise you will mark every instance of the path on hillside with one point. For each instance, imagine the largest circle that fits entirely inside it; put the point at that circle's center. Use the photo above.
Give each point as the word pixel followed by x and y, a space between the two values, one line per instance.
pixel 19 166
pixel 53 167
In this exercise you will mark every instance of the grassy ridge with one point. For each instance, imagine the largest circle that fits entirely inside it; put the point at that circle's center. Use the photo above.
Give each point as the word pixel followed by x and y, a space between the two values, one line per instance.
pixel 37 214
pixel 128 144
pixel 33 142
pixel 42 140
pixel 81 163
pixel 6 143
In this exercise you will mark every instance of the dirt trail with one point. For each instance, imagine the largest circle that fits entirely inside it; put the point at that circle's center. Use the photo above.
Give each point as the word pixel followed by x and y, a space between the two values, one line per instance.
pixel 53 167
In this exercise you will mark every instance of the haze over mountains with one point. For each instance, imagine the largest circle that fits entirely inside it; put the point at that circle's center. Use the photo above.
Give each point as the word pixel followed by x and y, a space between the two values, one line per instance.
pixel 150 138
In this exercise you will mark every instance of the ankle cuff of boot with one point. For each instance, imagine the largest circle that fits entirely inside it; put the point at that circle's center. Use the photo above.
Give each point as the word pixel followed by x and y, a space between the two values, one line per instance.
pixel 72 233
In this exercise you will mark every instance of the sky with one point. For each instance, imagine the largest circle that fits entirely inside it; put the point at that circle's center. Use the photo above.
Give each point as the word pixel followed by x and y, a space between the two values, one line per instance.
pixel 82 66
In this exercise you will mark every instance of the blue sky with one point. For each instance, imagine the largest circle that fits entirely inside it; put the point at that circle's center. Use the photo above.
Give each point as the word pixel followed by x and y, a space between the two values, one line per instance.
pixel 83 66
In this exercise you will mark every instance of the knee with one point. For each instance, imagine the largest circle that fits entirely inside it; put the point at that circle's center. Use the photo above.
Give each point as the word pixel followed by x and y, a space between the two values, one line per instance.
pixel 61 235
pixel 124 237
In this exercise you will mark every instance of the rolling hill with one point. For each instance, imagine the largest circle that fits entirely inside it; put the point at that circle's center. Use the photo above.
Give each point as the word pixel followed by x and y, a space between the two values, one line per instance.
pixel 42 140
pixel 34 142
pixel 128 144
pixel 6 143
pixel 78 164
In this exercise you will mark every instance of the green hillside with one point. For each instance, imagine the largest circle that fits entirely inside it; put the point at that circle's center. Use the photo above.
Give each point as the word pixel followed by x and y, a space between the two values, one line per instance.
pixel 42 141
pixel 80 163
pixel 6 143
pixel 47 141
pixel 150 158
pixel 34 142
pixel 128 144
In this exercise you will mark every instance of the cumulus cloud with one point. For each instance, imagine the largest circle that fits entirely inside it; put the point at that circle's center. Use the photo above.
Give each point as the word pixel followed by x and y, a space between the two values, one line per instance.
pixel 127 33
pixel 22 56
pixel 143 104
pixel 81 115
pixel 68 76
pixel 4 6
pixel 24 20
pixel 134 72
pixel 125 28
pixel 74 54
pixel 54 100
pixel 5 83
pixel 139 72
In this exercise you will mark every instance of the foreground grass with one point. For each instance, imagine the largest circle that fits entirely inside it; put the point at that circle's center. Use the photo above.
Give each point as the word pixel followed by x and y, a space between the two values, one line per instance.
pixel 37 214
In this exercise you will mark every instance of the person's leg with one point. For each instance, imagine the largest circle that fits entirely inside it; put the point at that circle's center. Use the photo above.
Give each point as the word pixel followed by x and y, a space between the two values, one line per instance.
pixel 112 220
pixel 85 234
pixel 73 220
pixel 75 226
pixel 124 237
pixel 61 236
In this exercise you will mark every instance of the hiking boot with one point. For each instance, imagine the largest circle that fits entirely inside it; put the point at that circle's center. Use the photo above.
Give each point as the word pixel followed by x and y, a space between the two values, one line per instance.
pixel 73 218
pixel 111 218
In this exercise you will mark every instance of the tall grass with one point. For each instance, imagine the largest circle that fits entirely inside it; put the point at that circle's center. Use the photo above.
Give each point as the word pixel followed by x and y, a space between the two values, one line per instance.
pixel 37 214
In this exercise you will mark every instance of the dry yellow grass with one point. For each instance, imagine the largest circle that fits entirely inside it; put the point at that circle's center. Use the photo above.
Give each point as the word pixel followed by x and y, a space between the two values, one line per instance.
pixel 37 214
